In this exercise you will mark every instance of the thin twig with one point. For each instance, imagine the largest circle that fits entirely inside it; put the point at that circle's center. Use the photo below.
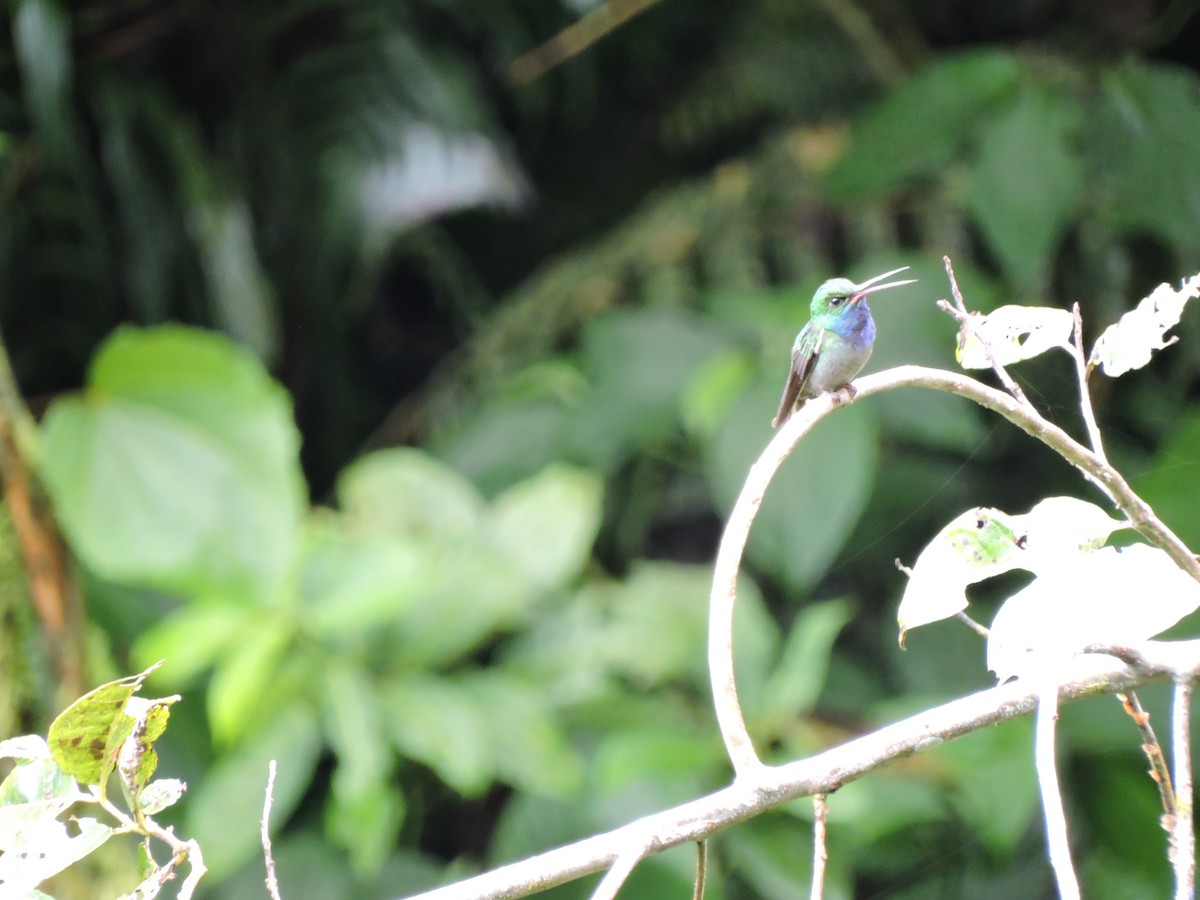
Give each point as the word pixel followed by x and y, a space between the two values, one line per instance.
pixel 265 831
pixel 1159 773
pixel 574 39
pixel 967 322
pixel 1056 818
pixel 620 871
pixel 1085 395
pixel 823 773
pixel 1183 837
pixel 701 870
pixel 977 627
pixel 820 853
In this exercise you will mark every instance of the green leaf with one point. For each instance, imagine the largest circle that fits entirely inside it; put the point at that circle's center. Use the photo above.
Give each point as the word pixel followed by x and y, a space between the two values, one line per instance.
pixel 236 690
pixel 547 525
pixel 1001 806
pixel 655 350
pixel 794 685
pixel 528 749
pixel 921 128
pixel 366 810
pixel 1143 140
pixel 440 723
pixel 193 638
pixel 465 591
pixel 179 467
pixel 86 737
pixel 817 495
pixel 1171 482
pixel 46 847
pixel 1026 185
pixel 239 780
pixel 161 794
pixel 351 584
pixel 406 491
pixel 506 442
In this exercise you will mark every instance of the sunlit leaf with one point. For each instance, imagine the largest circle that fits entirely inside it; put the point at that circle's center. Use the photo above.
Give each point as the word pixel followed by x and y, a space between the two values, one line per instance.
pixel 1014 333
pixel 178 467
pixel 405 491
pixel 1095 598
pixel 439 723
pixel 918 129
pixel 984 542
pixel 1027 162
pixel 547 524
pixel 1134 339
pixel 86 737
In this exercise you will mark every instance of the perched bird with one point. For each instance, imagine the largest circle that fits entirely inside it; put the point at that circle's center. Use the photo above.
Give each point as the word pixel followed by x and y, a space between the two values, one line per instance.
pixel 835 344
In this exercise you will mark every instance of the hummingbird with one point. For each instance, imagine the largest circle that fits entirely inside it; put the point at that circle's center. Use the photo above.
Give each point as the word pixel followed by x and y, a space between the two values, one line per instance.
pixel 835 344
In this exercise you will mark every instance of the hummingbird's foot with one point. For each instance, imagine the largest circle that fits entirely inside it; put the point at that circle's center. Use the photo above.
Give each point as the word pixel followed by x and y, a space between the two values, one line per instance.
pixel 848 391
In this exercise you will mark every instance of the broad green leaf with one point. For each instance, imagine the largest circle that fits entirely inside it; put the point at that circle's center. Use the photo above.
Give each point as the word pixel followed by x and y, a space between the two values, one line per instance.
pixel 793 687
pixel 238 781
pixel 1095 598
pixel 713 390
pixel 547 525
pixel 353 583
pixel 1133 341
pixel 654 767
pixel 466 591
pixel 1171 480
pixel 528 749
pixel 918 130
pixel 1001 807
pixel 405 491
pixel 366 809
pixel 816 497
pixel 441 724
pixel 1142 141
pixel 239 679
pixel 1014 334
pixel 506 442
pixel 640 364
pixel 86 737
pixel 178 467
pixel 191 639
pixel 1026 184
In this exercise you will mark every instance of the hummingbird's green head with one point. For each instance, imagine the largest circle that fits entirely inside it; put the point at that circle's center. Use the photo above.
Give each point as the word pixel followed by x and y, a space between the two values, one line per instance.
pixel 837 295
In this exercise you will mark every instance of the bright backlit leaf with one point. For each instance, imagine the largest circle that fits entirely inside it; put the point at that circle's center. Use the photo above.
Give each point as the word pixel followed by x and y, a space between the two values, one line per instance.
pixel 1133 340
pixel 1014 333
pixel 983 542
pixel 1092 598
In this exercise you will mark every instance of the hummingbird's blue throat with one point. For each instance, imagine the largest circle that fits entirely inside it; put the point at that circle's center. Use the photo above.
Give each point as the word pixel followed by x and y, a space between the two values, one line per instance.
pixel 854 324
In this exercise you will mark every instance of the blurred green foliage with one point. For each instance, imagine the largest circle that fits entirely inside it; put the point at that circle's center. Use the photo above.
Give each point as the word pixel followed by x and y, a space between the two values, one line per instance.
pixel 491 640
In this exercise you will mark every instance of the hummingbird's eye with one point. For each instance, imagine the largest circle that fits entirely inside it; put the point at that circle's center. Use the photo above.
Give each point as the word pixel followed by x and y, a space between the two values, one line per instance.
pixel 836 301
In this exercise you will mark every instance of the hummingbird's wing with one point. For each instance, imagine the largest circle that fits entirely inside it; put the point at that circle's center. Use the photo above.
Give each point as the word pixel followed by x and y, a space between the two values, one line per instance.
pixel 804 357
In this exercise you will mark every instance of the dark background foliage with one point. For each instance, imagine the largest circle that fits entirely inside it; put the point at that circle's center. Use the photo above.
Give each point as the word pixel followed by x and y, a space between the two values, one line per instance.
pixel 573 295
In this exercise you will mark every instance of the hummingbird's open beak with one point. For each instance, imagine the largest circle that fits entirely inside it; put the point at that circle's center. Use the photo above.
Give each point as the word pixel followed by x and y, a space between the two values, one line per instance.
pixel 871 286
